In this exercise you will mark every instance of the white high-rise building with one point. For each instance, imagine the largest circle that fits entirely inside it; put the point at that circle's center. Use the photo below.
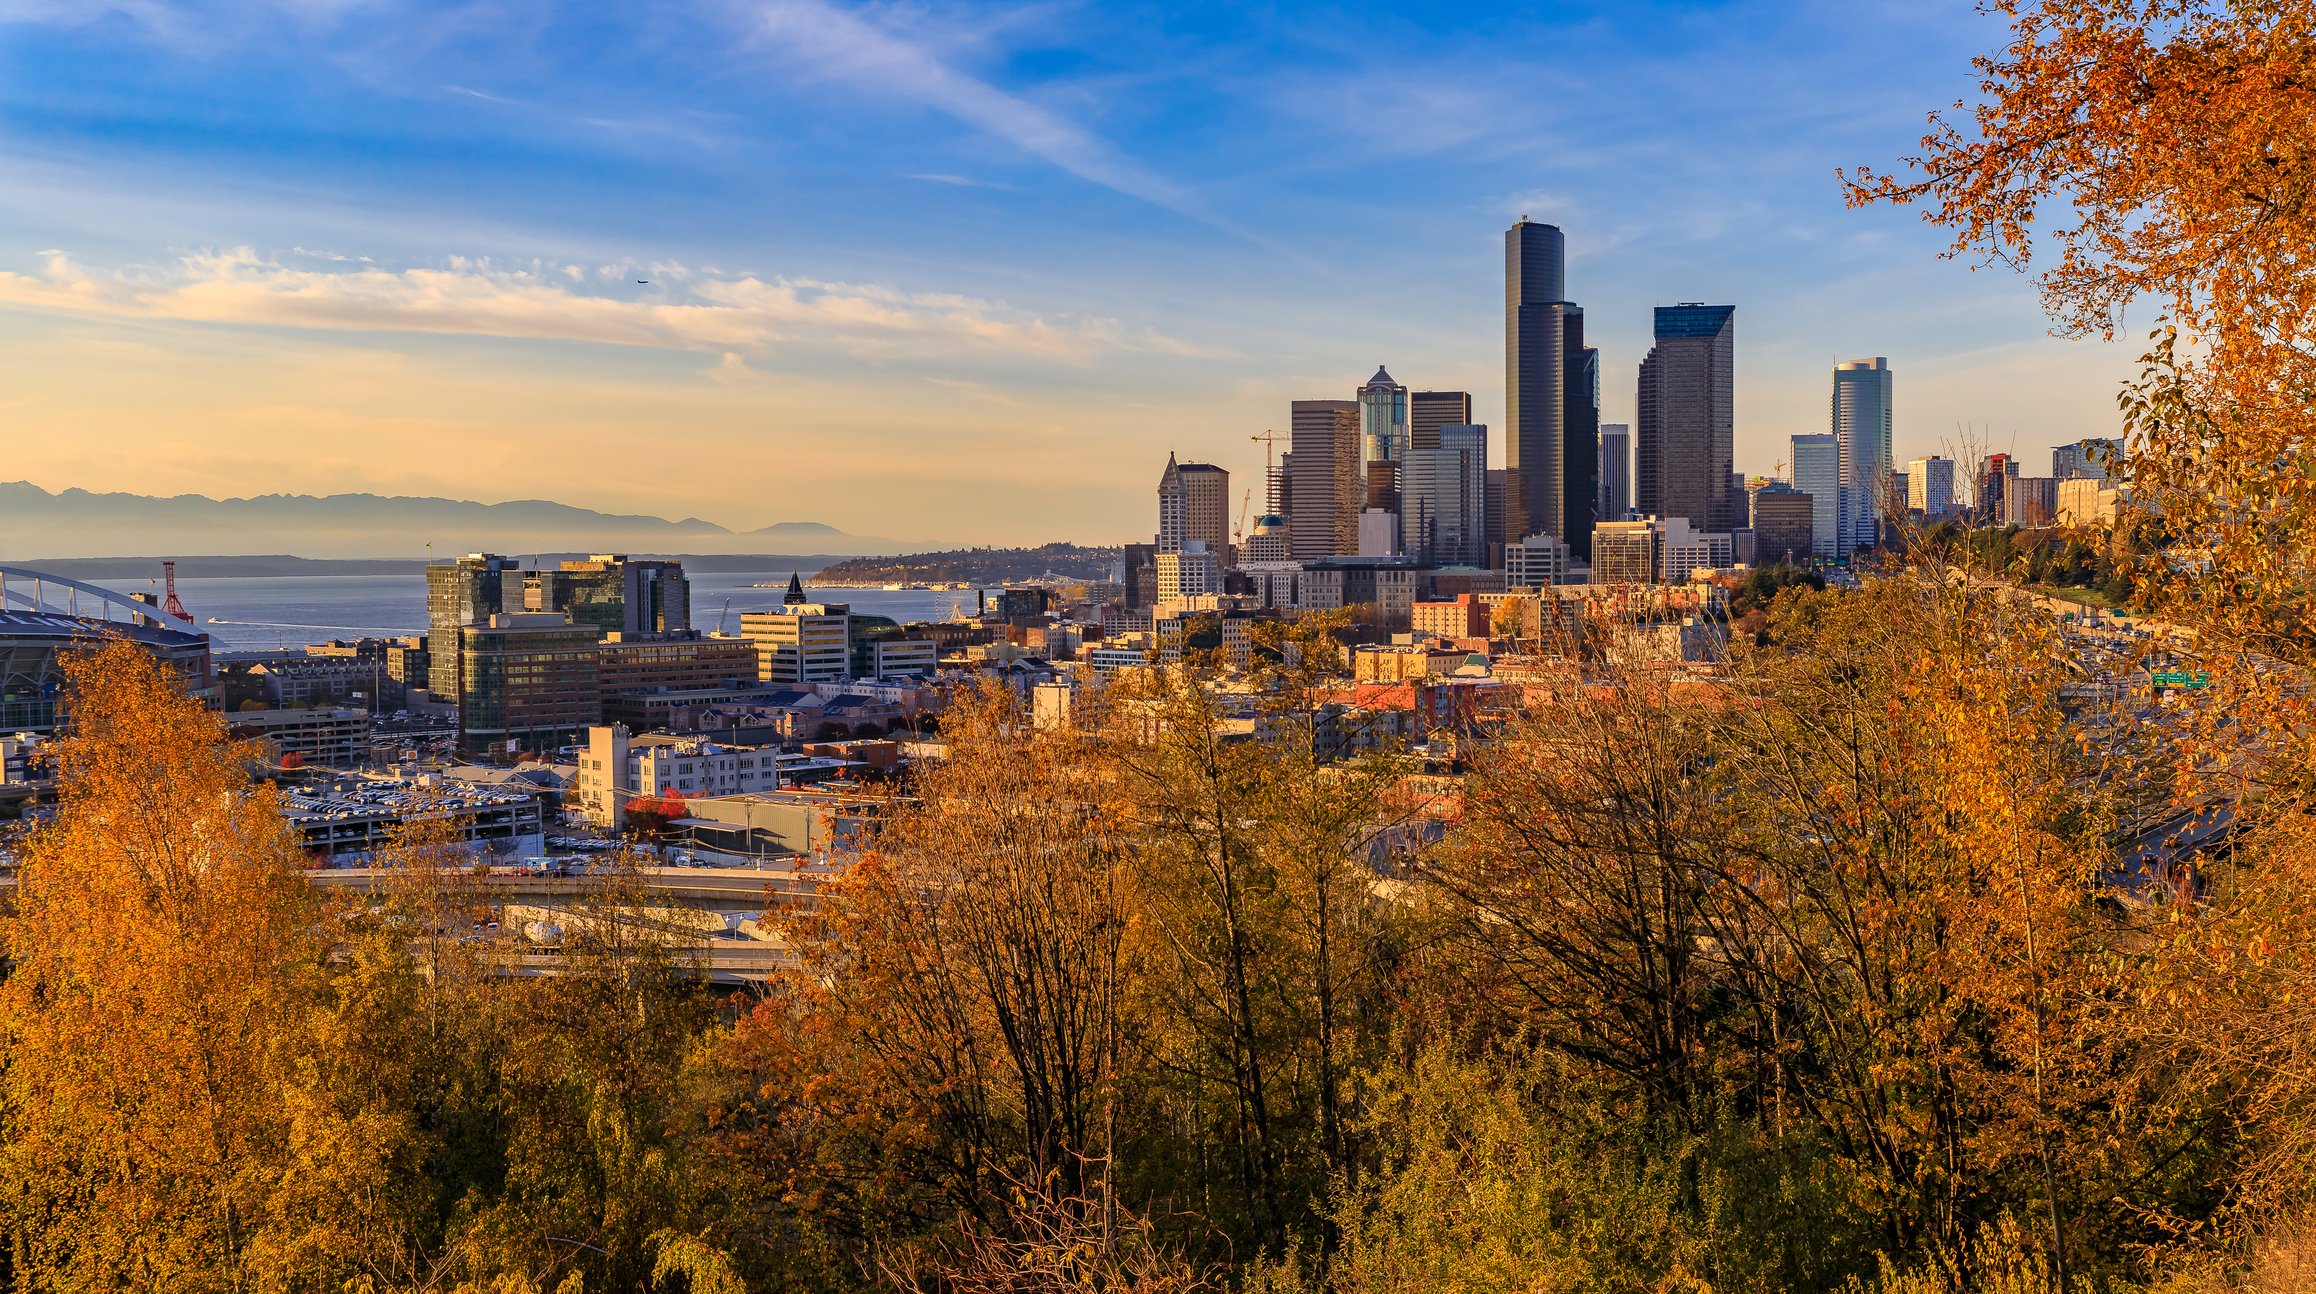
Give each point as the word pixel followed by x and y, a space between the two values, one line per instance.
pixel 1194 503
pixel 1817 472
pixel 1194 571
pixel 1861 424
pixel 1930 486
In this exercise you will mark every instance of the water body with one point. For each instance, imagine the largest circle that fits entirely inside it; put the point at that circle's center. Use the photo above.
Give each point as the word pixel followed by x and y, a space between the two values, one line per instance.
pixel 295 610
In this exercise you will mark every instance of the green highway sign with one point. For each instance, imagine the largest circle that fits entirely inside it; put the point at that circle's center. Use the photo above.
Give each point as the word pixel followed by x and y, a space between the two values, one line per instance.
pixel 2173 679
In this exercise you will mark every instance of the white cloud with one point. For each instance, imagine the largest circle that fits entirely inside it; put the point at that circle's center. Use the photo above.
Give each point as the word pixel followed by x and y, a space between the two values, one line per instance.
pixel 477 298
pixel 840 45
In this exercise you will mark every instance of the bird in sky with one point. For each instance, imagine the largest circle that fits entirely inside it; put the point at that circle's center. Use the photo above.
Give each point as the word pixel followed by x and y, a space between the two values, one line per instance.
pixel 643 280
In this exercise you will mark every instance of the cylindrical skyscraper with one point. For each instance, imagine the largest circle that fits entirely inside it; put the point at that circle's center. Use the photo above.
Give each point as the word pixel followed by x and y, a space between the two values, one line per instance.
pixel 1541 329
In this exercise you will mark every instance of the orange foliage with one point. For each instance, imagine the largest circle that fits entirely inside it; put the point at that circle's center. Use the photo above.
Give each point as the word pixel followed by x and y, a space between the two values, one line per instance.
pixel 161 941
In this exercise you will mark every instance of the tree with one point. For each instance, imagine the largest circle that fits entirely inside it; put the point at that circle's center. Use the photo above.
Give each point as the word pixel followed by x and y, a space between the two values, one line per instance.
pixel 163 952
pixel 650 816
pixel 2170 148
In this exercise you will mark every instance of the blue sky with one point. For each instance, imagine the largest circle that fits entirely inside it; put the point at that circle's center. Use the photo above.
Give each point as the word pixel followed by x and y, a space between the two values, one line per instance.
pixel 958 273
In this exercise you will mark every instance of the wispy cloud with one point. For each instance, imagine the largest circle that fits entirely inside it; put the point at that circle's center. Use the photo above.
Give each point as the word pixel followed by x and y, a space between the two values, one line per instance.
pixel 479 298
pixel 964 181
pixel 840 45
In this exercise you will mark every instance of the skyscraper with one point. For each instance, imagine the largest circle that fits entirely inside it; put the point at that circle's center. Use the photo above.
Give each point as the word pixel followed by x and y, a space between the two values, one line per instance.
pixel 615 594
pixel 1615 471
pixel 1861 421
pixel 1930 486
pixel 1428 411
pixel 1382 419
pixel 1580 436
pixel 1194 503
pixel 2085 459
pixel 1550 382
pixel 1687 423
pixel 1817 472
pixel 1326 487
pixel 468 591
pixel 1443 493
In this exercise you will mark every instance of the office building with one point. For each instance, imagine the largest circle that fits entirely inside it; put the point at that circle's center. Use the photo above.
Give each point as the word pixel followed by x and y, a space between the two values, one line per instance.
pixel 1378 534
pixel 1685 432
pixel 325 738
pixel 2030 500
pixel 1390 585
pixel 1783 527
pixel 2090 501
pixel 1551 394
pixel 1382 419
pixel 1141 568
pixel 1383 493
pixel 1687 549
pixel 1193 503
pixel 1494 513
pixel 1626 552
pixel 1930 486
pixel 1817 472
pixel 1327 486
pixel 528 680
pixel 2085 459
pixel 616 595
pixel 1995 472
pixel 468 591
pixel 1615 471
pixel 1428 411
pixel 1740 503
pixel 671 662
pixel 1443 497
pixel 1537 562
pixel 408 663
pixel 803 645
pixel 1268 543
pixel 1193 572
pixel 1861 423
pixel 1658 550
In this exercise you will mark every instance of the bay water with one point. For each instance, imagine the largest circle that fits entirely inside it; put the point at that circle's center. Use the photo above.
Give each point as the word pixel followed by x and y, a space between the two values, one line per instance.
pixel 295 610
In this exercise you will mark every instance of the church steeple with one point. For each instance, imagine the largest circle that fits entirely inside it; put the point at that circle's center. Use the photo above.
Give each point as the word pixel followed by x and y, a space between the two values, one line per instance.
pixel 795 591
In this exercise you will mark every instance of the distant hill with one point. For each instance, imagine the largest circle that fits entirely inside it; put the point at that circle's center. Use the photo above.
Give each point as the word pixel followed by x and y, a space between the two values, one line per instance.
pixel 78 523
pixel 972 565
pixel 276 564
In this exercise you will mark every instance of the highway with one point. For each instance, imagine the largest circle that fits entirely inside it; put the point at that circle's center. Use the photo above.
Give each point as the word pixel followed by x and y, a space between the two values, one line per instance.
pixel 707 889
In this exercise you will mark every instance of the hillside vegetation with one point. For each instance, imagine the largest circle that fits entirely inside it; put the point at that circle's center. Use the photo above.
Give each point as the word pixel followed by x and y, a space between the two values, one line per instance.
pixel 973 566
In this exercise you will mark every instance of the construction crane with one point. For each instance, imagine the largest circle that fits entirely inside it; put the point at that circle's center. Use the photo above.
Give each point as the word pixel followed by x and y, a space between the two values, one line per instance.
pixel 173 606
pixel 1270 440
pixel 727 613
pixel 1238 532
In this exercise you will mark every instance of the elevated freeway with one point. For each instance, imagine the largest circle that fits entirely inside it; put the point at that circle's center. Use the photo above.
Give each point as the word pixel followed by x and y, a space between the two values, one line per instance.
pixel 704 889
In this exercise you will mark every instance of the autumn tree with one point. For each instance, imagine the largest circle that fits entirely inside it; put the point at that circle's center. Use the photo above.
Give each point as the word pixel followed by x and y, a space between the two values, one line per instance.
pixel 163 949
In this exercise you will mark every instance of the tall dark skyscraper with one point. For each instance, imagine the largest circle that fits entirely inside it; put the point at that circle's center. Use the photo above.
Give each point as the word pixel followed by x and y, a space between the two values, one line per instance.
pixel 1428 411
pixel 1686 428
pixel 1551 394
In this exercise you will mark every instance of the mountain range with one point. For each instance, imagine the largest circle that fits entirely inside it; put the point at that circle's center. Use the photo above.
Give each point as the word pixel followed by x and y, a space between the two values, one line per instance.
pixel 75 523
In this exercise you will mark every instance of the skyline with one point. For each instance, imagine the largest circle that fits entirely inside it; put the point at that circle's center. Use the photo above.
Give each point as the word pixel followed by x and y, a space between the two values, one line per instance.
pixel 906 262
